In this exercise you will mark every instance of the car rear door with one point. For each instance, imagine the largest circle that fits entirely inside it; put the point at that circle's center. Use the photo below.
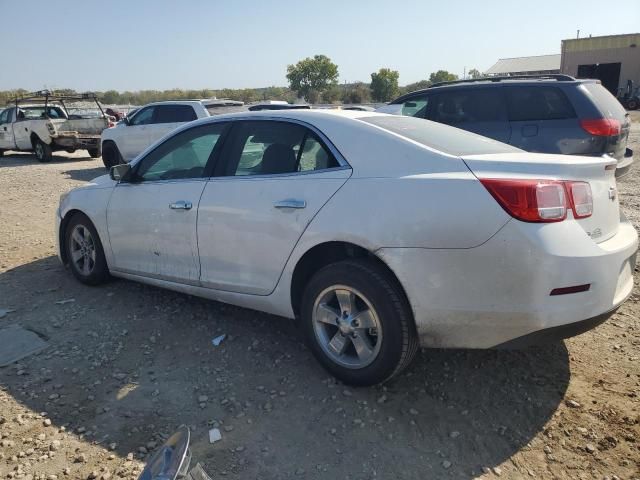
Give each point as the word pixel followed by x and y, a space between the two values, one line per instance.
pixel 167 118
pixel 151 217
pixel 272 179
pixel 543 120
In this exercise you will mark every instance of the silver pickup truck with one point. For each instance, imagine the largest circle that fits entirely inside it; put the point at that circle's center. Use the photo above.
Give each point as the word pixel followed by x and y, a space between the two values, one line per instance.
pixel 42 123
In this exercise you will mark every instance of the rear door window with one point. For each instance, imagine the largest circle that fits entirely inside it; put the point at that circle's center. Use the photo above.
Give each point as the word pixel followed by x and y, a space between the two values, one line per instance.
pixel 4 116
pixel 271 148
pixel 538 103
pixel 468 106
pixel 174 114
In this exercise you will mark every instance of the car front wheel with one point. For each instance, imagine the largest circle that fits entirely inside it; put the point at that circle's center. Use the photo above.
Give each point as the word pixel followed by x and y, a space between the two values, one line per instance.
pixel 85 254
pixel 358 323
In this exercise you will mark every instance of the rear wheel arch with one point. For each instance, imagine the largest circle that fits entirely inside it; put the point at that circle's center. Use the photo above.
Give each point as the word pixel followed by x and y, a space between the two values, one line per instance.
pixel 324 254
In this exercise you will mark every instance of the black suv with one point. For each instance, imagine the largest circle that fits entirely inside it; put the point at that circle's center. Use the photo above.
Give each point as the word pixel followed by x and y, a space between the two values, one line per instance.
pixel 547 114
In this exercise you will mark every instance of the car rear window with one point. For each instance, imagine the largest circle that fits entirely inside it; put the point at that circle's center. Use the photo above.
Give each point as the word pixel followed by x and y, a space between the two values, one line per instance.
pixel 538 103
pixel 443 138
pixel 606 103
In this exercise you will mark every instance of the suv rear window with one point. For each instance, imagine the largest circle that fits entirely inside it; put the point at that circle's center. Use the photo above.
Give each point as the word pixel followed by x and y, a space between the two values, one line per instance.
pixel 174 114
pixel 443 138
pixel 538 103
pixel 608 105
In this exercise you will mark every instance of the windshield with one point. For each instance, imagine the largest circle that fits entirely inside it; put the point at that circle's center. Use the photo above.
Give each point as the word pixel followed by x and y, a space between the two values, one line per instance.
pixel 443 138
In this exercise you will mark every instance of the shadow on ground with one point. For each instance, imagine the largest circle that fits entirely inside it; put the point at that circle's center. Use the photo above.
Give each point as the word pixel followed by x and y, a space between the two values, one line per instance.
pixel 22 159
pixel 85 174
pixel 130 363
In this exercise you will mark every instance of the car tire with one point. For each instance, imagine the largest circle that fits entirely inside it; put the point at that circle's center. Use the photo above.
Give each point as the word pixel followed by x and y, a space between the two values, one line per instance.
pixel 632 105
pixel 1 153
pixel 111 155
pixel 94 152
pixel 375 338
pixel 84 251
pixel 42 151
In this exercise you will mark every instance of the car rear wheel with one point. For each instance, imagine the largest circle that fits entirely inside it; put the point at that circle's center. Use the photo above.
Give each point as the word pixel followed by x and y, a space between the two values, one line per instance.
pixel 84 251
pixel 42 150
pixel 358 323
pixel 111 155
pixel 94 152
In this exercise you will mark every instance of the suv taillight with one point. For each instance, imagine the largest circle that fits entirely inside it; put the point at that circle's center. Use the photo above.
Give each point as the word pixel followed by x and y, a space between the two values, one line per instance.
pixel 601 127
pixel 541 200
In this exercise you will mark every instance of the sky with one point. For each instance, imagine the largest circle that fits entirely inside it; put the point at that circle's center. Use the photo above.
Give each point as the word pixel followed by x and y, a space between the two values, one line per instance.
pixel 194 44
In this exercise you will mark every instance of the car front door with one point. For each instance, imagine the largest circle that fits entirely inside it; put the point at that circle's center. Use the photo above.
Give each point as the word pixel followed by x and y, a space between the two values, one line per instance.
pixel 135 136
pixel 151 216
pixel 271 180
pixel 478 110
pixel 7 141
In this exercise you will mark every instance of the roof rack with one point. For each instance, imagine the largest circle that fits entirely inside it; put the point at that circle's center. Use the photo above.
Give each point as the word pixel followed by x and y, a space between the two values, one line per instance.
pixel 555 76
pixel 47 95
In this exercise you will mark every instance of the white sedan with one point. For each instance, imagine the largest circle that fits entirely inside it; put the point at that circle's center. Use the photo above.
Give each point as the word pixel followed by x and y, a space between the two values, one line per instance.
pixel 379 233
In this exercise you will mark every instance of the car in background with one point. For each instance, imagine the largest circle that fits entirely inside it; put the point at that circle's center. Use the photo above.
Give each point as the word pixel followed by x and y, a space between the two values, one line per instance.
pixel 544 113
pixel 379 233
pixel 151 122
pixel 277 105
pixel 44 122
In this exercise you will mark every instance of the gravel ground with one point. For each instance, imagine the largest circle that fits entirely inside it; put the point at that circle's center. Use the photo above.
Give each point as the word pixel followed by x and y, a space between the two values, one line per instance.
pixel 127 364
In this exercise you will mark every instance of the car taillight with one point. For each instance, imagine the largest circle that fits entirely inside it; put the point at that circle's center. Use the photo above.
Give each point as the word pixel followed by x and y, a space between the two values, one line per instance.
pixel 581 199
pixel 111 124
pixel 541 200
pixel 601 127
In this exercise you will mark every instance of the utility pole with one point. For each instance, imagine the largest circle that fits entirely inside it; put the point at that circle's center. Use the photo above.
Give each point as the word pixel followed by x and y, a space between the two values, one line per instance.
pixel 578 34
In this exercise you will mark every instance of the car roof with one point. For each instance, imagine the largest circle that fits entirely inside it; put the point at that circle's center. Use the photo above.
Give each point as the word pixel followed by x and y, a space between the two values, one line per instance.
pixel 497 82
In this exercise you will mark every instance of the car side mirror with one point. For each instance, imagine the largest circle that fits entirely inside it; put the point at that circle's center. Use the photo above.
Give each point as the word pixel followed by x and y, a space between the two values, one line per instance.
pixel 120 172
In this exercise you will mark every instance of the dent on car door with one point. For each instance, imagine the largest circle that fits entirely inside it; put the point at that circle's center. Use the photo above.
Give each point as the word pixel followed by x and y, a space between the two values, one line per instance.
pixel 478 110
pixel 273 177
pixel 151 217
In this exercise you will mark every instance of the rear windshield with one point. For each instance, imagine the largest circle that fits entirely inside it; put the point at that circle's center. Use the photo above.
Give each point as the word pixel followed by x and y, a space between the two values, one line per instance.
pixel 444 138
pixel 606 103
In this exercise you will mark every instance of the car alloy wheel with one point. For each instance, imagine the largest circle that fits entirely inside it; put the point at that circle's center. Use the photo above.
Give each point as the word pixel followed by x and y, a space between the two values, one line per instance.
pixel 347 326
pixel 39 151
pixel 83 250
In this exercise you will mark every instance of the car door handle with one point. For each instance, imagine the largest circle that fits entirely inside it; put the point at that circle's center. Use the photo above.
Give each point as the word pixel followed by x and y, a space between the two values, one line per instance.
pixel 290 203
pixel 180 205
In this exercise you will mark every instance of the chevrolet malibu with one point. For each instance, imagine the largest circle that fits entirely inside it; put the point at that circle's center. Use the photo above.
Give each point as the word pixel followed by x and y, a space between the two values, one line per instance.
pixel 379 233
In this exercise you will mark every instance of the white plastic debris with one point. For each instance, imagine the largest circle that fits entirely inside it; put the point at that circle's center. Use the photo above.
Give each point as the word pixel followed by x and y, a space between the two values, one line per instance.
pixel 214 435
pixel 219 339
pixel 62 302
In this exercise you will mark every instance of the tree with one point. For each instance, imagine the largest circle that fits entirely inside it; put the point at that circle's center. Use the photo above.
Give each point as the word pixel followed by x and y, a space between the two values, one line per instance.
pixel 412 87
pixel 442 76
pixel 310 77
pixel 475 73
pixel 358 92
pixel 384 84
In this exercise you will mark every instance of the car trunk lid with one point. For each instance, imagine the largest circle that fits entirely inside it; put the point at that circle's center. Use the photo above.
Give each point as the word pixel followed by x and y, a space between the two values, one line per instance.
pixel 599 172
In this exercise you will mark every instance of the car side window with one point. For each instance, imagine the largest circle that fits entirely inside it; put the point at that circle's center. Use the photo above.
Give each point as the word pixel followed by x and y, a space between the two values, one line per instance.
pixel 143 117
pixel 181 157
pixel 466 106
pixel 538 103
pixel 4 116
pixel 271 147
pixel 415 106
pixel 174 114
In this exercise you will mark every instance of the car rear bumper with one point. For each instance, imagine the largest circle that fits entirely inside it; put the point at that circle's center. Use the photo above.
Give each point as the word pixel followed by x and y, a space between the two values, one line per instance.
pixel 487 296
pixel 624 164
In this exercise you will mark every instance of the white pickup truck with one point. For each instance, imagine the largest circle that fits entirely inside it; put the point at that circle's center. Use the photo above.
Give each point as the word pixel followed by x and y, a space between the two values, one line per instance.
pixel 41 123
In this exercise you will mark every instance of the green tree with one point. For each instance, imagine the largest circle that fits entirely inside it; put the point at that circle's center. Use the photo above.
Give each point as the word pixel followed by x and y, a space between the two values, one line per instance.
pixel 310 77
pixel 442 76
pixel 384 84
pixel 475 73
pixel 358 92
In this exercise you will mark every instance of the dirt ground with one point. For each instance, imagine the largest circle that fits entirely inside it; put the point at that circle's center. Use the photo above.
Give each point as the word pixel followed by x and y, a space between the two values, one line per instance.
pixel 127 364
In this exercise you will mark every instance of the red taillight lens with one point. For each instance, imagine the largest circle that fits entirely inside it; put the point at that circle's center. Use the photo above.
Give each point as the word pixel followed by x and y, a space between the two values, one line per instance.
pixel 530 200
pixel 541 200
pixel 601 127
pixel 581 199
pixel 111 124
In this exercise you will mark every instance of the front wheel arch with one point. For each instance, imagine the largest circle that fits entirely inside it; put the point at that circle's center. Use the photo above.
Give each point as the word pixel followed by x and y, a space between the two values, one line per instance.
pixel 62 240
